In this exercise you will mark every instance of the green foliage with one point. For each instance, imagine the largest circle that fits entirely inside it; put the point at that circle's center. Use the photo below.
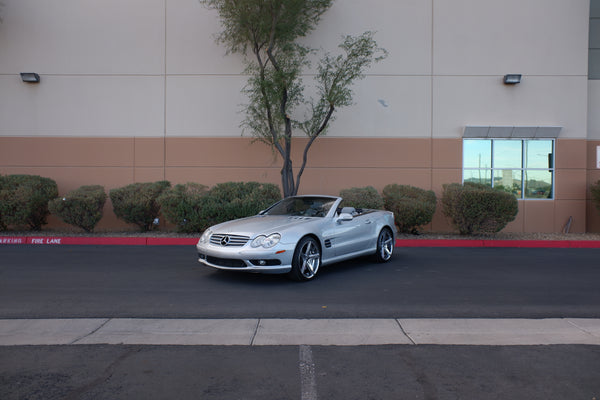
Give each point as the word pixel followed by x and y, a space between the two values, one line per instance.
pixel 24 200
pixel 81 207
pixel 595 189
pixel 477 208
pixel 276 22
pixel 365 197
pixel 231 200
pixel 137 203
pixel 183 206
pixel 412 206
pixel 193 208
pixel 272 31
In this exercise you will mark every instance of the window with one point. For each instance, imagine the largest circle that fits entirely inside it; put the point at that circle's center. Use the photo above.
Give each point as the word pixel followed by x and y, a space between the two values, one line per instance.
pixel 522 167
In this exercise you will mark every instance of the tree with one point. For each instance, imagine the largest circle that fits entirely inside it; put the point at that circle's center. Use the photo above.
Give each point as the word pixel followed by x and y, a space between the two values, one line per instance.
pixel 267 33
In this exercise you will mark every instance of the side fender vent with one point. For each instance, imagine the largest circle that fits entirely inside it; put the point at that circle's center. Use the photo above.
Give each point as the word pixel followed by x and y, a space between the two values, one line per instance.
pixel 328 243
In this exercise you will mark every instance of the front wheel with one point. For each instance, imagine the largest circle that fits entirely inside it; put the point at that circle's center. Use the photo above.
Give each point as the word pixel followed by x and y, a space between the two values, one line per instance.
pixel 385 245
pixel 306 261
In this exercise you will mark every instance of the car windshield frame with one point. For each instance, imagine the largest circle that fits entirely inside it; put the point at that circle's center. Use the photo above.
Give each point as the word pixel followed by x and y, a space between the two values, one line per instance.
pixel 303 206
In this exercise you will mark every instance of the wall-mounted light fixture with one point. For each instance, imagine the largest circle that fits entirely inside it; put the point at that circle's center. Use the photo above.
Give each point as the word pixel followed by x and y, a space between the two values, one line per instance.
pixel 30 77
pixel 512 79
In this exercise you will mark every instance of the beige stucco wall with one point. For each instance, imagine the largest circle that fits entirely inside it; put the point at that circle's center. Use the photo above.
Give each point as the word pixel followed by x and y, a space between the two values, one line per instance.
pixel 158 72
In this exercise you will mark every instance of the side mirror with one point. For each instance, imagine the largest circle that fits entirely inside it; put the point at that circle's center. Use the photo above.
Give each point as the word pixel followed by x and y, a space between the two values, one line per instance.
pixel 344 217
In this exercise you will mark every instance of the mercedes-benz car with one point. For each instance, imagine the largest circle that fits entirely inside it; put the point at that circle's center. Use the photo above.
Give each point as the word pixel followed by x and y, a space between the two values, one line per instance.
pixel 298 235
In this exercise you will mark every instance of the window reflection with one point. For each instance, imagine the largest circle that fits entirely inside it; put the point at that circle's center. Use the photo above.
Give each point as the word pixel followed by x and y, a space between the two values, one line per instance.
pixel 508 180
pixel 538 184
pixel 539 154
pixel 483 176
pixel 477 154
pixel 507 153
pixel 522 167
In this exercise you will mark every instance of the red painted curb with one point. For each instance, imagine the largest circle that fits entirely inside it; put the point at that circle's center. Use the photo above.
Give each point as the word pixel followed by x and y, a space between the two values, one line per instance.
pixel 171 241
pixel 76 240
pixel 556 244
pixel 13 240
pixel 130 241
pixel 438 243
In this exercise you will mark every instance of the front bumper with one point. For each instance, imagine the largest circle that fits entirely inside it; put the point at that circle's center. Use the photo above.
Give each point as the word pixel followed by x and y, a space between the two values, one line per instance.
pixel 277 260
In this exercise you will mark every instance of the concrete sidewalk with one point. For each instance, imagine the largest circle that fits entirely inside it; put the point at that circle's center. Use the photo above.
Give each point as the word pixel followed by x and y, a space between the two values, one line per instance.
pixel 275 332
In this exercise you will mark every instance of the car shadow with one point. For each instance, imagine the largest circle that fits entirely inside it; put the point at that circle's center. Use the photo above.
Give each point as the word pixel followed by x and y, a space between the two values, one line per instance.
pixel 240 277
pixel 355 265
pixel 331 271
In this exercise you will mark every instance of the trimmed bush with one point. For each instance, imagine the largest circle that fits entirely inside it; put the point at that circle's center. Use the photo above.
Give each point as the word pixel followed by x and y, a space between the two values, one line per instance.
pixel 412 206
pixel 477 208
pixel 193 208
pixel 24 200
pixel 183 206
pixel 365 197
pixel 231 200
pixel 81 207
pixel 137 203
pixel 595 189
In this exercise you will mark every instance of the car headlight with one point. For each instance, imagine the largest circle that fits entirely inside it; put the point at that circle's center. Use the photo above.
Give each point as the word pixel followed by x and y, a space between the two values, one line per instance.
pixel 266 241
pixel 205 236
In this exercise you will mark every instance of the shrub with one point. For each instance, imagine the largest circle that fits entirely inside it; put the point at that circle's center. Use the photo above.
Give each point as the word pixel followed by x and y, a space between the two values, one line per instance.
pixel 231 200
pixel 182 205
pixel 595 189
pixel 81 207
pixel 365 197
pixel 412 206
pixel 477 208
pixel 137 203
pixel 193 208
pixel 24 200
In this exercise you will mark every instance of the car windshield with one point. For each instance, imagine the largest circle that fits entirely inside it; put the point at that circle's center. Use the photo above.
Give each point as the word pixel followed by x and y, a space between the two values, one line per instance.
pixel 302 206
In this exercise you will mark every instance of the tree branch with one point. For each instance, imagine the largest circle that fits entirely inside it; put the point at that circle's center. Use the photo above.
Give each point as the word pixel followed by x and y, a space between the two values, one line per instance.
pixel 310 142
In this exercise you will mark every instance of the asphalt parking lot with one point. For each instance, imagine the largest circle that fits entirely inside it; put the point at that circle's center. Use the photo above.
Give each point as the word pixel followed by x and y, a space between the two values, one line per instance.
pixel 299 372
pixel 326 339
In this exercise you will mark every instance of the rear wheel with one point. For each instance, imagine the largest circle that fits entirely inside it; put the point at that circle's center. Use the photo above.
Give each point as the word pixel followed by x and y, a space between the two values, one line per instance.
pixel 307 260
pixel 385 245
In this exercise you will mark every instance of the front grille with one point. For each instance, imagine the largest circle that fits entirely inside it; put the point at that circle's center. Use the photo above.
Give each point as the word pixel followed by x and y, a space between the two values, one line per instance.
pixel 219 239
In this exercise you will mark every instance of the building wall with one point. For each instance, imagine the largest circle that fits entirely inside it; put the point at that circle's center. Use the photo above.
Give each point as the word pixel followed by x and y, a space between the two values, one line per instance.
pixel 139 91
pixel 593 147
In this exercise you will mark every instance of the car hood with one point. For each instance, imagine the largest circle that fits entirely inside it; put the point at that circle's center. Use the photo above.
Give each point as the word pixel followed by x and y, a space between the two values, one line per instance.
pixel 262 224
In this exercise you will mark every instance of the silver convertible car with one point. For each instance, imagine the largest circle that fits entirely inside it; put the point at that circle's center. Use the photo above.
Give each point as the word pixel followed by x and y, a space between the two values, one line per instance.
pixel 297 236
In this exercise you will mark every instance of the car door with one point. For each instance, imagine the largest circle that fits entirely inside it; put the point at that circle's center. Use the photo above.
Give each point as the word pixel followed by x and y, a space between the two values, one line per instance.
pixel 353 236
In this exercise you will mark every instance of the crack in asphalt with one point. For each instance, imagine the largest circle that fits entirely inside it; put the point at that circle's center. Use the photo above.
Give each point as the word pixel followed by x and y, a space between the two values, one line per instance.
pixel 105 376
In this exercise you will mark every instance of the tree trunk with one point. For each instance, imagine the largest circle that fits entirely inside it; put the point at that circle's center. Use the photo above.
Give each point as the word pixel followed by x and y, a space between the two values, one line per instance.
pixel 287 179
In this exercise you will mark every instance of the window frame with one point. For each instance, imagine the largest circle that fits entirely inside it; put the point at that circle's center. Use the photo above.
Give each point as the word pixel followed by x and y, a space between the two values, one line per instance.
pixel 493 171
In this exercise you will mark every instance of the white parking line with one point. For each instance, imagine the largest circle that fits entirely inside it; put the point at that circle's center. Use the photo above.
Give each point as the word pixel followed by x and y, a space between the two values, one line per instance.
pixel 308 381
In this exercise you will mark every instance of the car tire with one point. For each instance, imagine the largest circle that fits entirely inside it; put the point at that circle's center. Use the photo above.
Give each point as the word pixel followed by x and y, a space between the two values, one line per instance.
pixel 385 245
pixel 306 260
